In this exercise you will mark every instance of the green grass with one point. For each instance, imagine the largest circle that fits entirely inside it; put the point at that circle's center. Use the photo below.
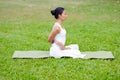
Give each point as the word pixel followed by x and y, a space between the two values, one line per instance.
pixel 25 25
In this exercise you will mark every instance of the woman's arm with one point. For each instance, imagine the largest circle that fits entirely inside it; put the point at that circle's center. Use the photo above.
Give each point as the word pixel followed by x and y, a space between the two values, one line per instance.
pixel 53 33
pixel 61 45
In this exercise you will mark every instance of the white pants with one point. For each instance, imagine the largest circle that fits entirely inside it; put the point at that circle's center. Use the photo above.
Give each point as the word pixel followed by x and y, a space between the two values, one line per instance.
pixel 73 52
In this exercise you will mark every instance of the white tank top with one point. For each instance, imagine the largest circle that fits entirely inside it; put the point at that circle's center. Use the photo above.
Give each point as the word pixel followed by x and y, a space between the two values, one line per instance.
pixel 61 36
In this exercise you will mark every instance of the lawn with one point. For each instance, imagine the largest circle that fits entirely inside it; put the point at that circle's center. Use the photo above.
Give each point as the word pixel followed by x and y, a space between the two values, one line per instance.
pixel 25 25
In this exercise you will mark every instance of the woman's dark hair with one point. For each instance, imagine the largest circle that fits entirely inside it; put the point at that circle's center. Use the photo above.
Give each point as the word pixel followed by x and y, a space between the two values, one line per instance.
pixel 57 11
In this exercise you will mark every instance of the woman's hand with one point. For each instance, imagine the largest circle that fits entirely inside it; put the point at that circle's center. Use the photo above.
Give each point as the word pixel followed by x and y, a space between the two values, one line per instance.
pixel 67 48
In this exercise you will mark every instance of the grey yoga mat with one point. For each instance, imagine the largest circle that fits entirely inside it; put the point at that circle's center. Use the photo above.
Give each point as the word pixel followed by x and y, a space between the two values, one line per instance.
pixel 45 54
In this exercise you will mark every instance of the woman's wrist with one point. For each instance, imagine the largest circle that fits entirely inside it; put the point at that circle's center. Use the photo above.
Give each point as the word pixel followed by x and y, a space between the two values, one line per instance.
pixel 63 48
pixel 67 48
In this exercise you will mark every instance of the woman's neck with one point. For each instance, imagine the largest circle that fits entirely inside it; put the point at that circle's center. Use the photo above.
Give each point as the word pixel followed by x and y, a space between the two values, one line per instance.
pixel 59 21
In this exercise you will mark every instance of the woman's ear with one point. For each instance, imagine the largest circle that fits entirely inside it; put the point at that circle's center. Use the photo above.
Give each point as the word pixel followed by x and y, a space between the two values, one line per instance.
pixel 59 16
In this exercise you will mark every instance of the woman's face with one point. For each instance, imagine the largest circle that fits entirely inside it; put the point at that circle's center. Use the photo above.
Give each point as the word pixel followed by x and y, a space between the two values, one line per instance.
pixel 63 16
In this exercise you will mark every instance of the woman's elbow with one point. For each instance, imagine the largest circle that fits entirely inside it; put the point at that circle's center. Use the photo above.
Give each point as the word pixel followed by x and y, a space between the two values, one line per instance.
pixel 50 41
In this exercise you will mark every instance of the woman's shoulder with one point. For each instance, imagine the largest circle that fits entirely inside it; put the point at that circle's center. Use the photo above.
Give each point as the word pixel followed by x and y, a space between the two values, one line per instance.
pixel 56 27
pixel 57 24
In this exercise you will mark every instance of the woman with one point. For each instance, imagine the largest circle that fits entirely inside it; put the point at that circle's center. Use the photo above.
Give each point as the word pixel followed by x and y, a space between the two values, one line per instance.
pixel 57 38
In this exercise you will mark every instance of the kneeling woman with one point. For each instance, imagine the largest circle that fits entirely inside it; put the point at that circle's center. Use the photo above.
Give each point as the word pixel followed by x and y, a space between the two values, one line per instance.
pixel 57 38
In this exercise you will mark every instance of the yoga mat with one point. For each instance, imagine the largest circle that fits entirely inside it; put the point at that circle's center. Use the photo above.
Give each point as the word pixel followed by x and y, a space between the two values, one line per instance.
pixel 45 54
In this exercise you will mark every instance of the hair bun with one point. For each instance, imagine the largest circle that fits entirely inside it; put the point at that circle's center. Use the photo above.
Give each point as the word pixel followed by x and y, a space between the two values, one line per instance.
pixel 53 12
